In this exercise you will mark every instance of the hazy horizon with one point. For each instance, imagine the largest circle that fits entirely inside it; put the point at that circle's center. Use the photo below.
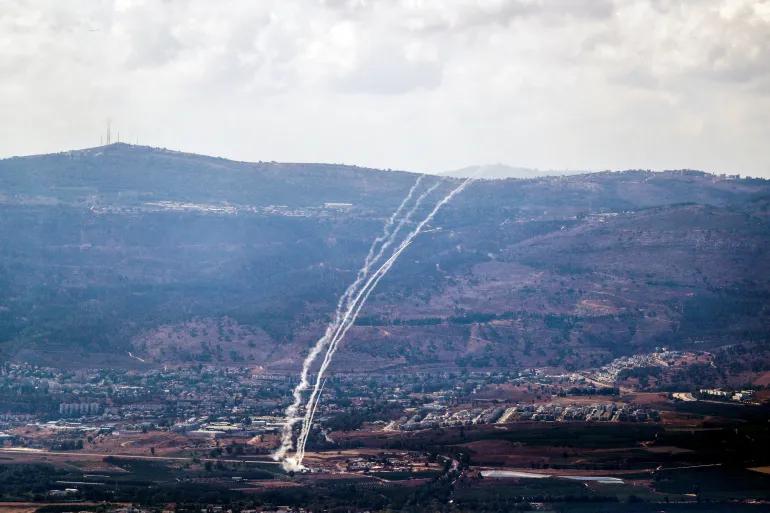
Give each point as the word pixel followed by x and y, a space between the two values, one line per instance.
pixel 419 86
pixel 495 170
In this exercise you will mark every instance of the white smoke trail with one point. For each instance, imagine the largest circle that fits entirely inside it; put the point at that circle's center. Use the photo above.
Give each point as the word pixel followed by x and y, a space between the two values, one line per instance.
pixel 370 258
pixel 295 462
pixel 352 313
pixel 313 408
pixel 403 221
pixel 312 413
pixel 293 408
pixel 305 429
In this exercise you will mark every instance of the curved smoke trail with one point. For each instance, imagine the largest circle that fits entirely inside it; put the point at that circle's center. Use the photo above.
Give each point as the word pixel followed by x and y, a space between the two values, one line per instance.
pixel 350 317
pixel 350 303
pixel 304 383
pixel 370 257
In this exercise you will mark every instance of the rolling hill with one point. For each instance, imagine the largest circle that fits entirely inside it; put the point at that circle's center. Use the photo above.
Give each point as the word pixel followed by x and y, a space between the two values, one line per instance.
pixel 182 258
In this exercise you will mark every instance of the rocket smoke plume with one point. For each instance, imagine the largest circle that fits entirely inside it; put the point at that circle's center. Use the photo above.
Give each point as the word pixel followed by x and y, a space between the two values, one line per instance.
pixel 353 300
pixel 350 316
pixel 386 239
pixel 293 408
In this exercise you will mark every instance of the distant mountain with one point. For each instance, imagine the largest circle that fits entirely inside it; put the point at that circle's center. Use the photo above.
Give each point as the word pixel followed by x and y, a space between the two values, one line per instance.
pixel 182 258
pixel 502 171
pixel 132 175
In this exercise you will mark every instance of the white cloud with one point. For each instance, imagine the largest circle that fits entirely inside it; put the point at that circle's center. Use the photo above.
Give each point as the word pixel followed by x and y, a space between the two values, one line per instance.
pixel 417 84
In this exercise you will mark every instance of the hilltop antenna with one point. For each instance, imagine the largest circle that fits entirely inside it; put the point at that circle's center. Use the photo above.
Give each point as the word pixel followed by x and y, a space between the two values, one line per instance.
pixel 109 130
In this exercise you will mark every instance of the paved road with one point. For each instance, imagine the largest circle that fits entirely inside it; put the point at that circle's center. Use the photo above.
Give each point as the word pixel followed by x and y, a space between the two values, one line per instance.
pixel 80 454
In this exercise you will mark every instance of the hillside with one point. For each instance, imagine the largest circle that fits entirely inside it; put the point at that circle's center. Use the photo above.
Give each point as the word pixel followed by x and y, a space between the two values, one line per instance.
pixel 181 258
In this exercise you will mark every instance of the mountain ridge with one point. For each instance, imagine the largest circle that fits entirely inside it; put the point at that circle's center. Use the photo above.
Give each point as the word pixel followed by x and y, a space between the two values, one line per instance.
pixel 464 172
pixel 205 263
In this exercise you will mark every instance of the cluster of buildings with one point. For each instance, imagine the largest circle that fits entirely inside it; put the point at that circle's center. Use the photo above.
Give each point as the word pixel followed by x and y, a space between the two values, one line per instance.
pixel 230 209
pixel 79 409
pixel 547 412
pixel 181 206
pixel 741 396
pixel 661 357
pixel 215 401
pixel 597 412
pixel 30 393
pixel 463 417
pixel 447 418
pixel 247 427
pixel 327 209
pixel 385 462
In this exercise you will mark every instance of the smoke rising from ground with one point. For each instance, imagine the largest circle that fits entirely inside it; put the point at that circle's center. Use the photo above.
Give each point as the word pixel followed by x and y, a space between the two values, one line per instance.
pixel 293 409
pixel 353 300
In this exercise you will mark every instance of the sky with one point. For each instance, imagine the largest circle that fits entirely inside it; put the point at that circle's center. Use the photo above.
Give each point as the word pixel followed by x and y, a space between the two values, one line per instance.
pixel 420 85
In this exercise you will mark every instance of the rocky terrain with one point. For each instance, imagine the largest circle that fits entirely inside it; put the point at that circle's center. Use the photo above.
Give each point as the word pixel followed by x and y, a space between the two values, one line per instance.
pixel 180 258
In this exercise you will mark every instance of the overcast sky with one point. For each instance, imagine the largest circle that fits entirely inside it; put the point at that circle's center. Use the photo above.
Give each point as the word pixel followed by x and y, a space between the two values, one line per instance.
pixel 411 84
